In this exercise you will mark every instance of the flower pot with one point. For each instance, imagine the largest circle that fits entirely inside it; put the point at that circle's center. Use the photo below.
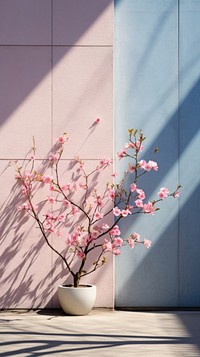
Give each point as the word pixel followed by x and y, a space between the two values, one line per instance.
pixel 77 301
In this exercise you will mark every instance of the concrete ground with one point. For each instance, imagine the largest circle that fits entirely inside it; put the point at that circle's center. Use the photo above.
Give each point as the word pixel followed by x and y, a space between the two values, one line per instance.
pixel 101 333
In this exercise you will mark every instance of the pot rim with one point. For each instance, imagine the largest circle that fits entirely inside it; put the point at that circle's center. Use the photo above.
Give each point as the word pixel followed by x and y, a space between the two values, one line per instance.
pixel 70 286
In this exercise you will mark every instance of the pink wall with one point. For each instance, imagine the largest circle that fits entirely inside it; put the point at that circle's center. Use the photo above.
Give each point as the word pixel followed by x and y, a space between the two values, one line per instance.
pixel 55 76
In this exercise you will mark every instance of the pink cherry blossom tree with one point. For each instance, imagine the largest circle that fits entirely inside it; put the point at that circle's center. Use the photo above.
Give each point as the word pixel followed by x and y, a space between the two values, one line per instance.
pixel 79 204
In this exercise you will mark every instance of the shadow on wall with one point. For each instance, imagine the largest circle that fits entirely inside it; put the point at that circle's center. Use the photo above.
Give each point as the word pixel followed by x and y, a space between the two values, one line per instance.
pixel 169 271
pixel 20 262
pixel 19 82
pixel 22 67
pixel 30 271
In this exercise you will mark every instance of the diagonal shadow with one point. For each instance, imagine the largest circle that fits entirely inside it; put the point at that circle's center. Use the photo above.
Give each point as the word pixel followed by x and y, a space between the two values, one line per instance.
pixel 168 275
pixel 18 87
pixel 40 345
pixel 17 241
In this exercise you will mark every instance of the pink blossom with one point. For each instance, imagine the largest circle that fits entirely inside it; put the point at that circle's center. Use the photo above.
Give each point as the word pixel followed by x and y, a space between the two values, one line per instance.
pixel 149 208
pixel 98 201
pixel 115 231
pixel 107 246
pixel 116 252
pixel 116 211
pixel 68 239
pixel 67 187
pixel 139 203
pixel 51 199
pixel 75 236
pixel 114 174
pixel 84 240
pixel 104 162
pixel 48 215
pixel 112 194
pixel 80 255
pixel 47 179
pixel 66 203
pixel 98 215
pixel 61 139
pixel 135 236
pixel 176 194
pixel 74 210
pixel 24 207
pixel 131 242
pixel 94 234
pixel 25 189
pixel 117 242
pixel 127 145
pixel 51 187
pixel 131 168
pixel 141 193
pixel 133 187
pixel 60 218
pixel 49 226
pixel 32 157
pixel 121 154
pixel 138 146
pixel 142 164
pixel 147 243
pixel 163 193
pixel 98 120
pixel 148 166
pixel 129 207
pixel 153 165
pixel 125 212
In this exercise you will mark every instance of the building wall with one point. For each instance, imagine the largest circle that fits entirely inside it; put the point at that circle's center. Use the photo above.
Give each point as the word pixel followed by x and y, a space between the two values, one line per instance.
pixel 157 70
pixel 55 76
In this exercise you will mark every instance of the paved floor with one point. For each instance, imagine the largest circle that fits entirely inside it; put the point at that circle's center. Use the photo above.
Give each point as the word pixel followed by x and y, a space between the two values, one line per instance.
pixel 101 333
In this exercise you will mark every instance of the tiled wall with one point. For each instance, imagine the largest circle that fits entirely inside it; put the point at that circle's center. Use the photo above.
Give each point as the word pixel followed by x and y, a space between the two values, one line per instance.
pixel 55 76
pixel 157 89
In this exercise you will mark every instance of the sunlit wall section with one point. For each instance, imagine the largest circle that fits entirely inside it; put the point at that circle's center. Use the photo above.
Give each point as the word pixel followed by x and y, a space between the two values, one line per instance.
pixel 56 76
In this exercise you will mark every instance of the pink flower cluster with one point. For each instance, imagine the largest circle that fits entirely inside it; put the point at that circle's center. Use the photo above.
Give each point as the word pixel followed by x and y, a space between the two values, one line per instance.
pixel 115 243
pixel 124 212
pixel 132 239
pixel 148 166
pixel 103 163
pixel 136 146
pixel 163 193
pixel 51 221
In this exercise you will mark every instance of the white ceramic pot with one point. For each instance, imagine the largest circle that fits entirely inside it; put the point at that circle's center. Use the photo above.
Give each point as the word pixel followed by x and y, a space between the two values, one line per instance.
pixel 77 301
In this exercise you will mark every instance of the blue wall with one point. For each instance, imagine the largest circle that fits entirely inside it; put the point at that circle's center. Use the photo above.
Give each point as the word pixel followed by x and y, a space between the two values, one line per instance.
pixel 157 89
